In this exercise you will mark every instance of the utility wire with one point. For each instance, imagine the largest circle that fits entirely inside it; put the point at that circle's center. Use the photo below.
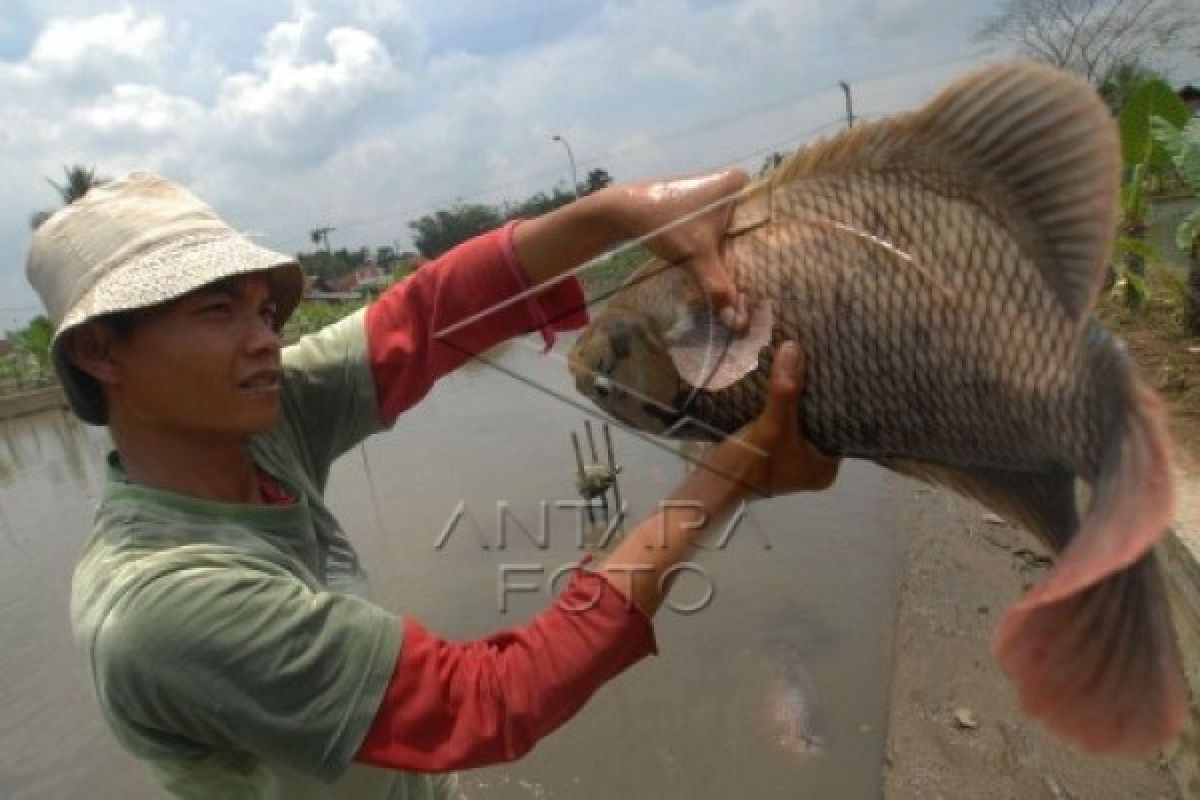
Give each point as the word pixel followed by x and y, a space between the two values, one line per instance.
pixel 712 123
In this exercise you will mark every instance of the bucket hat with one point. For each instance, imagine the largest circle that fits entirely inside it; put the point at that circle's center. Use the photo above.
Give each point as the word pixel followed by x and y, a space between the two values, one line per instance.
pixel 134 243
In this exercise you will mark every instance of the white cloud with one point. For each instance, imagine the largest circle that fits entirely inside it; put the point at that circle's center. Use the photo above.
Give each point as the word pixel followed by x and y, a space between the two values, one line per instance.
pixel 363 114
pixel 89 51
pixel 138 110
pixel 286 105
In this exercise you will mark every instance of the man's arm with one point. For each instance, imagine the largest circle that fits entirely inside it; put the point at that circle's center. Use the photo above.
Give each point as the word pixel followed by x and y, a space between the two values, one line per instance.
pixel 685 220
pixel 471 298
pixel 769 456
pixel 454 308
pixel 458 705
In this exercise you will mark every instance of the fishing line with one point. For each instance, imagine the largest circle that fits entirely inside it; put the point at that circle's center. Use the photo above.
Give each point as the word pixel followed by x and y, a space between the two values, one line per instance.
pixel 362 449
pixel 657 441
pixel 526 294
pixel 725 200
pixel 814 220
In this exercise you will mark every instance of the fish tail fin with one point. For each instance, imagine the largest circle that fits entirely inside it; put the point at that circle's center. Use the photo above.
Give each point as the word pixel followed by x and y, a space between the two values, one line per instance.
pixel 1091 648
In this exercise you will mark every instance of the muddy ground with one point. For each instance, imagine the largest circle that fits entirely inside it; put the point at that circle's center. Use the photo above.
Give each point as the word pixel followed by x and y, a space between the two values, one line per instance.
pixel 955 730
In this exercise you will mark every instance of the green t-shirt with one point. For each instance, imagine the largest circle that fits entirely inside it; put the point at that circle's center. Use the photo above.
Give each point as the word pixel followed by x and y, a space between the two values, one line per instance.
pixel 233 647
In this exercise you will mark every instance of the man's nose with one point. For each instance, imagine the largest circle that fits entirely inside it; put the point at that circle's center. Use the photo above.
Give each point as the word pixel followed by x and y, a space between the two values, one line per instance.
pixel 261 335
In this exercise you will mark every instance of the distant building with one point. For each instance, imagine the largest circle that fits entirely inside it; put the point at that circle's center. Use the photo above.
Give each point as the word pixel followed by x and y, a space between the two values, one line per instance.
pixel 365 281
pixel 6 347
pixel 352 280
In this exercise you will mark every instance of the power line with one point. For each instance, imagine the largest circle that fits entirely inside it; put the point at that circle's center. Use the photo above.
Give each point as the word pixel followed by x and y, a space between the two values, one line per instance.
pixel 672 135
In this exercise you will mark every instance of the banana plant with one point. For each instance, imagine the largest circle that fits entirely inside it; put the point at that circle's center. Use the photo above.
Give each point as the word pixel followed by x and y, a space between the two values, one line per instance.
pixel 1131 252
pixel 1145 160
pixel 1182 143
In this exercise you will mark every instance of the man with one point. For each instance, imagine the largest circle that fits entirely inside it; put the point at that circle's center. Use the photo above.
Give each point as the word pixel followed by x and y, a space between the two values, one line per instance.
pixel 223 612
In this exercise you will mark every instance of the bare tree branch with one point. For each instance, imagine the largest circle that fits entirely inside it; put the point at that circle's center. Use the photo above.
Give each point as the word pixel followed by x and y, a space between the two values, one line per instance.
pixel 1091 36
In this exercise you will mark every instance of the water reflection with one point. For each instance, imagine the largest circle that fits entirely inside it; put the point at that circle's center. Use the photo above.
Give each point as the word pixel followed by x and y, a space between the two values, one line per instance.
pixel 809 582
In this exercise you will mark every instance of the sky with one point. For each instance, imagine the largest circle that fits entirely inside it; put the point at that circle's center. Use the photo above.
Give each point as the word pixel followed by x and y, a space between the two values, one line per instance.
pixel 287 115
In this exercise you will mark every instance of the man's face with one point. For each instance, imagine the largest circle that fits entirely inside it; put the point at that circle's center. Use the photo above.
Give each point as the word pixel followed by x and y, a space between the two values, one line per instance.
pixel 207 362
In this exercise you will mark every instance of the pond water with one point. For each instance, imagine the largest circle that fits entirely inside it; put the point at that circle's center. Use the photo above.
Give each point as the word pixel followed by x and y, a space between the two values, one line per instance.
pixel 804 586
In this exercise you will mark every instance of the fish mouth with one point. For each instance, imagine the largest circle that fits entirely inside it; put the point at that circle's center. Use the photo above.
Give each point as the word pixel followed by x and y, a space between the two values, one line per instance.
pixel 625 403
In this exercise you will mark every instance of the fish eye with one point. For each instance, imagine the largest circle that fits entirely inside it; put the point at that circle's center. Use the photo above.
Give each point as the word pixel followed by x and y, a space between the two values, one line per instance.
pixel 602 385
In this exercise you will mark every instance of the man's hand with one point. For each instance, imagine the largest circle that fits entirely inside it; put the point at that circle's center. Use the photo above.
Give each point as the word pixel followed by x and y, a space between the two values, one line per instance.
pixel 696 242
pixel 577 232
pixel 770 456
pixel 791 463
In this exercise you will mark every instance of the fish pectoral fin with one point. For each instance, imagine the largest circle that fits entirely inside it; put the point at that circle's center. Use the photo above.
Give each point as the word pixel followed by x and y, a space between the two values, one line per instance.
pixel 708 355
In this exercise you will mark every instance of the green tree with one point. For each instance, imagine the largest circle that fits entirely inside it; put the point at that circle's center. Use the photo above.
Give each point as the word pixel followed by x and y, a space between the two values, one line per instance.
pixel 537 204
pixel 36 340
pixel 597 179
pixel 434 234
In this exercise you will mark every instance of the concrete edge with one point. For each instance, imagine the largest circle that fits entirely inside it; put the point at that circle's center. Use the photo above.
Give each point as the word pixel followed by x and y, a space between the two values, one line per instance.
pixel 50 398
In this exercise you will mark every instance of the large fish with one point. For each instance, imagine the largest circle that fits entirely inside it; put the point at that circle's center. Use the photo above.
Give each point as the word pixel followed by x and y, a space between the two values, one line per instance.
pixel 939 268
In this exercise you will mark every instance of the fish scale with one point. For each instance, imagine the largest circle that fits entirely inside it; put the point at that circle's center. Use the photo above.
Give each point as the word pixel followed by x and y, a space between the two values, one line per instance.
pixel 853 343
pixel 939 269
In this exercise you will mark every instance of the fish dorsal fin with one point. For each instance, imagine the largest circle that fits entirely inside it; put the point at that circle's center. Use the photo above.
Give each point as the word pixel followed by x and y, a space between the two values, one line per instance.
pixel 1042 140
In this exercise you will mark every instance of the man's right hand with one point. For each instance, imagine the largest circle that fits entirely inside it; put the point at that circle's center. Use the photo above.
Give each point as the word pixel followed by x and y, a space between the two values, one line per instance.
pixel 771 456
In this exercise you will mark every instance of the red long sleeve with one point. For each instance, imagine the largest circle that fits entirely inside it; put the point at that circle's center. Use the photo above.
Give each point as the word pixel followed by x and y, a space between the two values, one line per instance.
pixel 455 307
pixel 462 705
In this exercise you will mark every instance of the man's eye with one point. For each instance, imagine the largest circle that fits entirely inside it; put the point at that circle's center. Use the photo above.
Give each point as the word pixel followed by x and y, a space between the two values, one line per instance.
pixel 270 314
pixel 216 307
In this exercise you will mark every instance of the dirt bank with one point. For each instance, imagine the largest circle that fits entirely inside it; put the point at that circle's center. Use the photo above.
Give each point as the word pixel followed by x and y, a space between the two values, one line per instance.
pixel 954 729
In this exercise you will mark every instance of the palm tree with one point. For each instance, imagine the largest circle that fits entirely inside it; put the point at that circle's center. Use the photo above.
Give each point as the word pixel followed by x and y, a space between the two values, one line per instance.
pixel 319 235
pixel 78 181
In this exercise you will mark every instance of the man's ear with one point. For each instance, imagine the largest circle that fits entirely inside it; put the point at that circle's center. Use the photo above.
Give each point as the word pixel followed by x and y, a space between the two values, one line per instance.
pixel 89 347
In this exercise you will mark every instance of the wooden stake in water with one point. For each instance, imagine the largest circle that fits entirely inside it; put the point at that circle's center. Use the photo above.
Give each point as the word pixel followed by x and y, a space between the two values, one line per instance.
pixel 596 477
pixel 583 480
pixel 587 426
pixel 613 470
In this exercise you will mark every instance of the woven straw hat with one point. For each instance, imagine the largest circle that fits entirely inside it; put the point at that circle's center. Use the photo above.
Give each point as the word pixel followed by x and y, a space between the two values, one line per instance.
pixel 134 243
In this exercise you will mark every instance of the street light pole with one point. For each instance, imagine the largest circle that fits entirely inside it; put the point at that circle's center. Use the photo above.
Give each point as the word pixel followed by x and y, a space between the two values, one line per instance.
pixel 849 108
pixel 570 158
